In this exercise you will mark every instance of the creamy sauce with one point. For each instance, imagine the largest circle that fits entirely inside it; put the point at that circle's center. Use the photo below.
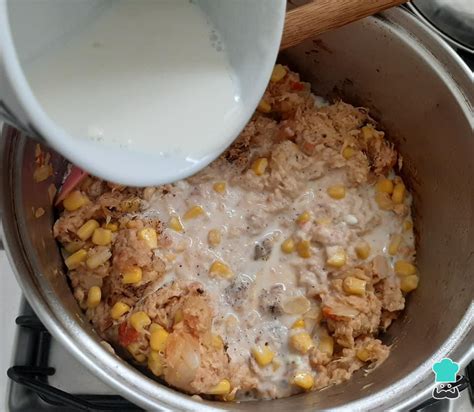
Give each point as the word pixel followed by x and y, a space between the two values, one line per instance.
pixel 142 75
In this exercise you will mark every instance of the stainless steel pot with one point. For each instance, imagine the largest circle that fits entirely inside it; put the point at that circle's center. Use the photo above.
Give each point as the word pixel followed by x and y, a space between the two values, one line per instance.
pixel 423 95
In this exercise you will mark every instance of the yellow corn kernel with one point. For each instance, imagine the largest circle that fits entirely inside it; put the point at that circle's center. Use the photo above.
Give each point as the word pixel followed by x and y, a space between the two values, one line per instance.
pixel 303 218
pixel 409 283
pixel 301 342
pixel 288 246
pixel 264 107
pixel 383 201
pixel 73 246
pixel 384 186
pixel 118 310
pixel 394 245
pixel 87 229
pixel 214 237
pixel 275 365
pixel 93 297
pixel 193 212
pixel 155 363
pixel 298 324
pixel 217 342
pixel 362 250
pixel 74 201
pixel 260 165
pixel 102 237
pixel 348 152
pixel 404 268
pixel 326 345
pixel 220 269
pixel 336 192
pixel 113 227
pixel 279 72
pixel 134 349
pixel 175 224
pixel 368 132
pixel 407 225
pixel 303 248
pixel 139 320
pixel 130 205
pixel 132 275
pixel 222 388
pixel 155 326
pixel 158 340
pixel 363 354
pixel 73 261
pixel 304 380
pixel 98 259
pixel 398 195
pixel 354 286
pixel 323 221
pixel 336 257
pixel 178 317
pixel 263 355
pixel 150 237
pixel 219 187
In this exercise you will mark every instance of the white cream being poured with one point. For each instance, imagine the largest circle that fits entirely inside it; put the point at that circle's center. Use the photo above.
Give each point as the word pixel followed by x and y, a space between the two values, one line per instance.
pixel 148 76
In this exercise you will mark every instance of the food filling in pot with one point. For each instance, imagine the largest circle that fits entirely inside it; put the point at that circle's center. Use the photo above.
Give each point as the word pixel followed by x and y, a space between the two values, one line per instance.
pixel 271 272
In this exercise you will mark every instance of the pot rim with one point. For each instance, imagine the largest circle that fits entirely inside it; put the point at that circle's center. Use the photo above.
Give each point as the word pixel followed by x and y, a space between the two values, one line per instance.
pixel 146 392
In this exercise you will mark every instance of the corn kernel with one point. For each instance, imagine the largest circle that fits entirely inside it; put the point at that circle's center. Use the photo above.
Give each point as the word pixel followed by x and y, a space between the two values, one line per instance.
pixel 363 354
pixel 193 212
pixel 178 317
pixel 130 205
pixel 264 107
pixel 398 194
pixel 275 365
pixel 260 165
pixel 74 201
pixel 73 246
pixel 304 249
pixel 303 218
pixel 154 327
pixel 139 320
pixel 214 237
pixel 336 256
pixel 175 224
pixel 220 269
pixel 336 192
pixel 132 275
pixel 362 250
pixel 118 310
pixel 155 363
pixel 158 340
pixel 98 259
pixel 409 283
pixel 298 324
pixel 404 268
pixel 93 297
pixel 217 342
pixel 134 349
pixel 394 245
pixel 219 187
pixel 383 201
pixel 73 261
pixel 150 237
pixel 368 132
pixel 102 237
pixel 87 229
pixel 222 388
pixel 348 152
pixel 326 345
pixel 304 380
pixel 323 221
pixel 279 72
pixel 301 342
pixel 407 225
pixel 263 355
pixel 354 286
pixel 384 186
pixel 113 227
pixel 288 246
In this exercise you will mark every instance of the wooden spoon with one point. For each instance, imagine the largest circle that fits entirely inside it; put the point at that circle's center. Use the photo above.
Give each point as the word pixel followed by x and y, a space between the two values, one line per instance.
pixel 319 16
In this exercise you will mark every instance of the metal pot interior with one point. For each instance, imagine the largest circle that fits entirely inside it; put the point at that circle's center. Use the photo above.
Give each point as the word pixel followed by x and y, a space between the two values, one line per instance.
pixel 375 63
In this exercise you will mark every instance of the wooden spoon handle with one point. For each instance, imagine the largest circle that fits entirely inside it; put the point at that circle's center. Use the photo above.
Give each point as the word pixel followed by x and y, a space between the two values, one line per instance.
pixel 319 16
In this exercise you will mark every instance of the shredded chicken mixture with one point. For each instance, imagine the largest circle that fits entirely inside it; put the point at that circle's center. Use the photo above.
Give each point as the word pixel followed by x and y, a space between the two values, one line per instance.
pixel 271 272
